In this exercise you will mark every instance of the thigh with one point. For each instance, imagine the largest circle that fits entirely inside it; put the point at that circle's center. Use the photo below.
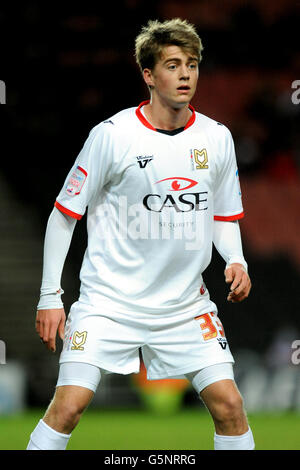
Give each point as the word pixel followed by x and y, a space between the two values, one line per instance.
pixel 93 337
pixel 80 374
pixel 76 384
pixel 209 375
pixel 185 346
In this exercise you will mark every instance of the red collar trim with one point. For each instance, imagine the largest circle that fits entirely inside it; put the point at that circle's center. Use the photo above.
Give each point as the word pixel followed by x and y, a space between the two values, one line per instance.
pixel 144 121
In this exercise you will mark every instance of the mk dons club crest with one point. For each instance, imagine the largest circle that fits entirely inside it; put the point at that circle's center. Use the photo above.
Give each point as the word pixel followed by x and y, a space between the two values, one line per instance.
pixel 78 340
pixel 199 159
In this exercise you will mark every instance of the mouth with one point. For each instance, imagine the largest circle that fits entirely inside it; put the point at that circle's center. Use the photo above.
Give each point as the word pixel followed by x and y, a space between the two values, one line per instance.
pixel 185 88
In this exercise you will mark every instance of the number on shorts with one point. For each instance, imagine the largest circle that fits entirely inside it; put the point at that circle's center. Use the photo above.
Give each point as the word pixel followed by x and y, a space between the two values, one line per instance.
pixel 207 323
pixel 219 325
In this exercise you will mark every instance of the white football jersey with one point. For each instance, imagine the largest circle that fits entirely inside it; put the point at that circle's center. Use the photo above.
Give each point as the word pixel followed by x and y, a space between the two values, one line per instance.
pixel 152 199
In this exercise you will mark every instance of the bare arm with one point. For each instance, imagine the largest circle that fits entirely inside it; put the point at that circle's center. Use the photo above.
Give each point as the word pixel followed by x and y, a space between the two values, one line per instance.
pixel 51 317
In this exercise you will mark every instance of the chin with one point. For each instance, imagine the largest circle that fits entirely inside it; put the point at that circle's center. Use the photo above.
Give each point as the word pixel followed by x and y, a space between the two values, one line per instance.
pixel 181 104
pixel 182 101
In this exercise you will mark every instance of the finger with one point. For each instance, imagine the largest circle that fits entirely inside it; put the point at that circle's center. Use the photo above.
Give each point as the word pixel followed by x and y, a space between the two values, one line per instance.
pixel 235 298
pixel 247 287
pixel 42 332
pixel 52 337
pixel 237 283
pixel 47 337
pixel 38 326
pixel 46 327
pixel 228 275
pixel 40 329
pixel 238 296
pixel 240 284
pixel 61 329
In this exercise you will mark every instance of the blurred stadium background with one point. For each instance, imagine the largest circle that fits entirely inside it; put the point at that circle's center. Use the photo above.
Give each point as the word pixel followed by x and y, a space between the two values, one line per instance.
pixel 68 67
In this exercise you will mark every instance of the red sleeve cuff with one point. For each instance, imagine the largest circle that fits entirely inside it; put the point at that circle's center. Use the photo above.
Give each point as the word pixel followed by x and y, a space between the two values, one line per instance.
pixel 229 218
pixel 67 211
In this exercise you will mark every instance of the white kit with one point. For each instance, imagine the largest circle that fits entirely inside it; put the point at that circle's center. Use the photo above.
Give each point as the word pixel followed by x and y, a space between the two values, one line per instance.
pixel 152 200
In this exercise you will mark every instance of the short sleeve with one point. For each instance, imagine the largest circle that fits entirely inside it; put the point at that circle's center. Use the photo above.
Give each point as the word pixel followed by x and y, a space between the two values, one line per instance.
pixel 90 172
pixel 227 194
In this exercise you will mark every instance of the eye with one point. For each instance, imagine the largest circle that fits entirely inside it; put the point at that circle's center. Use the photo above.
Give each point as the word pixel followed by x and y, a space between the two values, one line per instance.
pixel 172 67
pixel 177 183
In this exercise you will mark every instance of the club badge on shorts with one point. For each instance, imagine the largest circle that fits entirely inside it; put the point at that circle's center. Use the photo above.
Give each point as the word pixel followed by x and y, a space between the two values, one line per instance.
pixel 76 181
pixel 78 340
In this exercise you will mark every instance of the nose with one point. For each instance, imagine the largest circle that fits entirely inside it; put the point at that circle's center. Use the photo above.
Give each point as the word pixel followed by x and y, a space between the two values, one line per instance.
pixel 185 73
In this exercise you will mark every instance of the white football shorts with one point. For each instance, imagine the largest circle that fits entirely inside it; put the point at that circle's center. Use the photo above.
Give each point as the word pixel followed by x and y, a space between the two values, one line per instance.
pixel 171 346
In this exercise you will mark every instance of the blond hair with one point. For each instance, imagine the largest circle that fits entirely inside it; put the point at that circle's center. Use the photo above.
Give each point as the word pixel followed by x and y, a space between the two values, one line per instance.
pixel 156 35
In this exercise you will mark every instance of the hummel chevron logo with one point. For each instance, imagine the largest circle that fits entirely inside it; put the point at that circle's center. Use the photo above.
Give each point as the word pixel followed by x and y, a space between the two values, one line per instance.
pixel 144 160
pixel 222 342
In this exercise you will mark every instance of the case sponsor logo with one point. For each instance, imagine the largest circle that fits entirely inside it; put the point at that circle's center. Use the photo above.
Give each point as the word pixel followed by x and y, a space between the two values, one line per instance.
pixel 185 202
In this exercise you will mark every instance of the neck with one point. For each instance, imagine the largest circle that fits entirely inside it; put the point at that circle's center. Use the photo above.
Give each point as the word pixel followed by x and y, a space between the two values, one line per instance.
pixel 163 116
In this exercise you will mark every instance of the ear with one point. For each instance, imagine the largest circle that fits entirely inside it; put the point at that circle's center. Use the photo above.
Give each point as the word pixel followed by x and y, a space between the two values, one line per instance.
pixel 147 75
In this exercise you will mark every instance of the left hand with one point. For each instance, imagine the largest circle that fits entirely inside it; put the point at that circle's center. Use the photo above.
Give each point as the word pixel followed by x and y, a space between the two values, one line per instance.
pixel 237 276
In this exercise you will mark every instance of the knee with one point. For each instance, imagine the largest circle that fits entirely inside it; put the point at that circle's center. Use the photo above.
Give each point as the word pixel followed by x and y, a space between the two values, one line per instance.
pixel 230 410
pixel 64 414
pixel 69 413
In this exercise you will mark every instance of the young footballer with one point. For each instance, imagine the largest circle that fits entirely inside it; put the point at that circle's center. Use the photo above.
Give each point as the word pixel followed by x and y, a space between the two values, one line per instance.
pixel 160 185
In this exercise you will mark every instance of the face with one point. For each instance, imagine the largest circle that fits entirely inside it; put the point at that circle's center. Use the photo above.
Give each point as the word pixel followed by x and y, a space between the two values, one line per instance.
pixel 174 77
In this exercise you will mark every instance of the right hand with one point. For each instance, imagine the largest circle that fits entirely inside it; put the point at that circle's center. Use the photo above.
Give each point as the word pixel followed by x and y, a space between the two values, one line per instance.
pixel 48 323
